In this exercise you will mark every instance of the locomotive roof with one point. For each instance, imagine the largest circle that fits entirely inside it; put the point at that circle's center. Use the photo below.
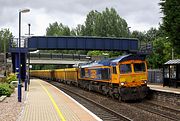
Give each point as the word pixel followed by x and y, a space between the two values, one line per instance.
pixel 113 61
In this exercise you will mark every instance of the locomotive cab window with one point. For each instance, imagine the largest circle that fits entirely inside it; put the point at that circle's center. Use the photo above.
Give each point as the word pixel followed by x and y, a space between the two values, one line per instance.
pixel 139 67
pixel 114 70
pixel 125 68
pixel 105 74
pixel 82 72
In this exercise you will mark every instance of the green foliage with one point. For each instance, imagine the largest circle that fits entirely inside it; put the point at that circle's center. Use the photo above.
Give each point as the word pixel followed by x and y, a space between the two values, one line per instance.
pixel 171 21
pixel 56 29
pixel 11 77
pixel 79 30
pixel 140 36
pixel 147 36
pixel 5 36
pixel 95 53
pixel 109 24
pixel 104 24
pixel 153 34
pixel 6 89
pixel 162 46
pixel 161 53
pixel 114 54
pixel 104 53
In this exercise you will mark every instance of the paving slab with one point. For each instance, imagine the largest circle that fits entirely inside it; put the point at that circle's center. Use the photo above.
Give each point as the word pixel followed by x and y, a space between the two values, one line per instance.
pixel 47 103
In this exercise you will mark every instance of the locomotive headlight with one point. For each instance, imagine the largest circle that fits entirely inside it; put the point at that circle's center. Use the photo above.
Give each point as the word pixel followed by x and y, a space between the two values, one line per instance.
pixel 144 81
pixel 122 83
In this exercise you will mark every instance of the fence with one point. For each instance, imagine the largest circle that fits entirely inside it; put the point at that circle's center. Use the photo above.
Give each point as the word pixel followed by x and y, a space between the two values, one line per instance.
pixel 155 75
pixel 61 56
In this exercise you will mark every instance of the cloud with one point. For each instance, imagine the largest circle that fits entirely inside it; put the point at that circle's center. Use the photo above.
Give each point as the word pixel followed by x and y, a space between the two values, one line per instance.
pixel 139 14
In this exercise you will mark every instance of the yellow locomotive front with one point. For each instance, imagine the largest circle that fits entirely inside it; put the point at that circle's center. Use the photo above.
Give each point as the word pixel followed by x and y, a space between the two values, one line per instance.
pixel 133 73
pixel 131 76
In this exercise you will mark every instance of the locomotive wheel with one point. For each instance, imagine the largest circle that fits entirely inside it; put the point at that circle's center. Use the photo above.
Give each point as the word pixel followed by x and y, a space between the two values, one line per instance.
pixel 104 93
pixel 89 87
pixel 120 98
pixel 104 90
pixel 77 84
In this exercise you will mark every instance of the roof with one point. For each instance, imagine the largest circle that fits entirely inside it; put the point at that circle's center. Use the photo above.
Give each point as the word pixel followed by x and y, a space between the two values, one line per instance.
pixel 113 61
pixel 118 59
pixel 176 61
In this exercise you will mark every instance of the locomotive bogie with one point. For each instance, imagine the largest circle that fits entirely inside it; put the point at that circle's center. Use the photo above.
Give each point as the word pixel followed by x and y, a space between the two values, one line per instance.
pixel 133 93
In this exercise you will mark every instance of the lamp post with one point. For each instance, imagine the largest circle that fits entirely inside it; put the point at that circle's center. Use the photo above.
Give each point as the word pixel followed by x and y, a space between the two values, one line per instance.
pixel 29 26
pixel 28 79
pixel 172 50
pixel 128 31
pixel 5 62
pixel 19 75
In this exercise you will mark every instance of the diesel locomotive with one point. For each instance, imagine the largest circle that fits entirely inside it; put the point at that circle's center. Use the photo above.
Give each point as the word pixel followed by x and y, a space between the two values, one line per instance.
pixel 124 77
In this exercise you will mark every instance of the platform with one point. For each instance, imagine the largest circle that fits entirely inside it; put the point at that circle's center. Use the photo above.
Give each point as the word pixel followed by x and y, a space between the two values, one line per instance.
pixel 159 87
pixel 47 103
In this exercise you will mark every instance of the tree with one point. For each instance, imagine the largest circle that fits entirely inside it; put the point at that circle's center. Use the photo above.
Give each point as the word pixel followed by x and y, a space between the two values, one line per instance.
pixel 160 54
pixel 152 34
pixel 105 24
pixel 102 24
pixel 5 36
pixel 56 29
pixel 78 31
pixel 146 36
pixel 171 21
pixel 161 46
pixel 139 35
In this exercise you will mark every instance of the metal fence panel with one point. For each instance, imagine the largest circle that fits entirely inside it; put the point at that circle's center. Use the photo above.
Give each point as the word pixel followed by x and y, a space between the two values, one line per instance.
pixel 155 76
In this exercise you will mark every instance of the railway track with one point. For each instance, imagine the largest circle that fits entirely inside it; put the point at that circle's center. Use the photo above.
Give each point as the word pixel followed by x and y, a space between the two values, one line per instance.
pixel 176 111
pixel 101 111
pixel 163 111
pixel 107 108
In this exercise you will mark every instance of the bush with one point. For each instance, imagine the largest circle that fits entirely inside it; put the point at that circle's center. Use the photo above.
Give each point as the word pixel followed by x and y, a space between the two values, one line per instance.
pixel 6 89
pixel 2 79
pixel 11 77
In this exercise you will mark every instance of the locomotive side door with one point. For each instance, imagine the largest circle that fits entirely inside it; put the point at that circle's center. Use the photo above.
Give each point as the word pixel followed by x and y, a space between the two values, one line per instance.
pixel 114 75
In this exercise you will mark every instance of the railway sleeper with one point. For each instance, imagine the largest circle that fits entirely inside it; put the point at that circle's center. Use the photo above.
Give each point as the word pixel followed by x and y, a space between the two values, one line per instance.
pixel 113 91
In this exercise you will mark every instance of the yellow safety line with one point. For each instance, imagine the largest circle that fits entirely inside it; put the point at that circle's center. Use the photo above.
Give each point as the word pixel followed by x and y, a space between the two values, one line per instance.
pixel 54 103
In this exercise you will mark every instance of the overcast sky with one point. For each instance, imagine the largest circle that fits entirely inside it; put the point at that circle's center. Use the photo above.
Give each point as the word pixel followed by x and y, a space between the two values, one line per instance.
pixel 139 14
